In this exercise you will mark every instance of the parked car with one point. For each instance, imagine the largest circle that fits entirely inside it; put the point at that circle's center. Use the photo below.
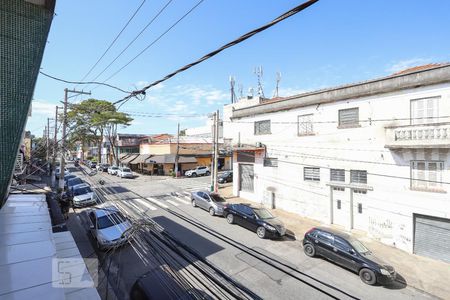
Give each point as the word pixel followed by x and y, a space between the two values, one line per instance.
pixel 93 165
pixel 113 170
pixel 211 202
pixel 58 172
pixel 198 171
pixel 153 285
pixel 73 182
pixel 108 226
pixel 103 167
pixel 226 176
pixel 350 253
pixel 68 176
pixel 83 195
pixel 125 172
pixel 259 220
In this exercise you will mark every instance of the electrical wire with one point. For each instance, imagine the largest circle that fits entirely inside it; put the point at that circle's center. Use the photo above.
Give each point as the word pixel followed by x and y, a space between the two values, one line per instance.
pixel 112 43
pixel 242 38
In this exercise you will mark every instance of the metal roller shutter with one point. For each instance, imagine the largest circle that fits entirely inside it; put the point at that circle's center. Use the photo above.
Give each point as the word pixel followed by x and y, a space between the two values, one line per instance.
pixel 432 237
pixel 246 180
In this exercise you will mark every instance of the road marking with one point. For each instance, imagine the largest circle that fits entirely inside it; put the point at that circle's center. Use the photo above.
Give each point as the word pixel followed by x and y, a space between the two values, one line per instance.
pixel 182 200
pixel 157 202
pixel 173 203
pixel 129 202
pixel 145 204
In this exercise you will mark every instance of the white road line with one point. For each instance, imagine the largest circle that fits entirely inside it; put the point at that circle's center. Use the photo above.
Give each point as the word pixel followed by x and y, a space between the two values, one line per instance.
pixel 173 203
pixel 157 202
pixel 181 200
pixel 145 204
pixel 140 209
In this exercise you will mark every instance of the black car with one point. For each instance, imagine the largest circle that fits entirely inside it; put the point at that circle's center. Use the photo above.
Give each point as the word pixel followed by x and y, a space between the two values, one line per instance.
pixel 348 252
pixel 259 220
pixel 154 284
pixel 225 177
pixel 72 182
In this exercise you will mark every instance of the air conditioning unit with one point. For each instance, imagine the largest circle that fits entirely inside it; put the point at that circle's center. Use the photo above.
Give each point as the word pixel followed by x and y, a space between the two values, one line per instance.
pixel 258 145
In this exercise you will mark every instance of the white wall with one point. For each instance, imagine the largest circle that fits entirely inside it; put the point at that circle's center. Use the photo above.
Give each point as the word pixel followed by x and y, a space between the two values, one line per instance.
pixel 389 207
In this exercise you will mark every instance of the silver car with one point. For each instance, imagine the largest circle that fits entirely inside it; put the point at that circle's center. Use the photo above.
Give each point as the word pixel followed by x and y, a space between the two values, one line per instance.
pixel 83 195
pixel 109 227
pixel 113 170
pixel 211 202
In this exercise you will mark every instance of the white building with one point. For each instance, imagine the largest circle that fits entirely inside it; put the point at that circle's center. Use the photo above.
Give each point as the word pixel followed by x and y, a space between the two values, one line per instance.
pixel 372 156
pixel 204 131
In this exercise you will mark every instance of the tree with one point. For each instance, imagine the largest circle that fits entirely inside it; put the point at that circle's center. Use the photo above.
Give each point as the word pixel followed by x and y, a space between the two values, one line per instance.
pixel 89 119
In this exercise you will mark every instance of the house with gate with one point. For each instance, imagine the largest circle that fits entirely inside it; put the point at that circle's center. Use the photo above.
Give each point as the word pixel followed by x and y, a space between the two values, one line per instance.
pixel 372 156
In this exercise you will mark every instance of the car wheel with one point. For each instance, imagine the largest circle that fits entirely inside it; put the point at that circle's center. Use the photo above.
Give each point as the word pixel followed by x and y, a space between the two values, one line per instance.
pixel 193 203
pixel 309 250
pixel 261 232
pixel 207 173
pixel 194 174
pixel 212 212
pixel 230 218
pixel 367 276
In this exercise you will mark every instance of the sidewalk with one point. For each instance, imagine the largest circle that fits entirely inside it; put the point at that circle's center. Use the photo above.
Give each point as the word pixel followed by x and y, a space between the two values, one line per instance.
pixel 422 273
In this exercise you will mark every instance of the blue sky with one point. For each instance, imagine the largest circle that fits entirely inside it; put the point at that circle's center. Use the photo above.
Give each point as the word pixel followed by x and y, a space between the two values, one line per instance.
pixel 330 43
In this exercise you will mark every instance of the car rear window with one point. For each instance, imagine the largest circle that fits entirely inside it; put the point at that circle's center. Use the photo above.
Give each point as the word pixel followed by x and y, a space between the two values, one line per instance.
pixel 110 220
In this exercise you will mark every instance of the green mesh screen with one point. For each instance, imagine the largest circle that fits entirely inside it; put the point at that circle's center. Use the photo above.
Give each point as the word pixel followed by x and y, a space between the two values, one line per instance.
pixel 24 29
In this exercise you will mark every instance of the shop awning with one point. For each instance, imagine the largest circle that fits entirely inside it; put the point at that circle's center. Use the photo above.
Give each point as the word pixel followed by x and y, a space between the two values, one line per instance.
pixel 141 158
pixel 169 159
pixel 129 158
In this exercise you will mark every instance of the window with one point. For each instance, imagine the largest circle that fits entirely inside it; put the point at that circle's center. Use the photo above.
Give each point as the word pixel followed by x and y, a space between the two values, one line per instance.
pixel 358 176
pixel 349 117
pixel 342 244
pixel 426 175
pixel 243 156
pixel 311 174
pixel 325 237
pixel 424 111
pixel 270 162
pixel 262 127
pixel 337 175
pixel 305 125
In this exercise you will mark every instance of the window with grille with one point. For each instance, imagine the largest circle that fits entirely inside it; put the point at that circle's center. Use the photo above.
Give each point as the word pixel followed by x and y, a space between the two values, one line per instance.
pixel 262 127
pixel 358 176
pixel 311 174
pixel 426 175
pixel 337 175
pixel 270 162
pixel 425 111
pixel 305 124
pixel 244 156
pixel 349 117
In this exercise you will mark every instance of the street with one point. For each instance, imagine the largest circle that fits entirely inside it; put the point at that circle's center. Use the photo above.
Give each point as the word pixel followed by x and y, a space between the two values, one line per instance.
pixel 265 269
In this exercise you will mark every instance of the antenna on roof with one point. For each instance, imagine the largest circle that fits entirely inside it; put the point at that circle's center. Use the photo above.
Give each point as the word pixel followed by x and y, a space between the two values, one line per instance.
pixel 259 73
pixel 233 94
pixel 277 85
pixel 241 91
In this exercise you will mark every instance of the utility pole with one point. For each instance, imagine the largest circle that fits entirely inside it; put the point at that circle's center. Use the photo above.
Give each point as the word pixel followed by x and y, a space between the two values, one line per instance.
pixel 55 147
pixel 213 142
pixel 216 152
pixel 48 140
pixel 178 151
pixel 63 146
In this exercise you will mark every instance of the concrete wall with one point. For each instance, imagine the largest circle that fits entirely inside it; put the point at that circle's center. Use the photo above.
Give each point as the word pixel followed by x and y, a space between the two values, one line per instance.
pixel 389 202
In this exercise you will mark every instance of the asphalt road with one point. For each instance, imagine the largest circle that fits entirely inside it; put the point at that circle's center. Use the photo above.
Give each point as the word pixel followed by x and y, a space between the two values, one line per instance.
pixel 268 269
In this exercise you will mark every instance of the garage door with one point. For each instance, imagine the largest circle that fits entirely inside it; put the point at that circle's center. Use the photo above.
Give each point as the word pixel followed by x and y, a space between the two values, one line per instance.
pixel 432 237
pixel 246 177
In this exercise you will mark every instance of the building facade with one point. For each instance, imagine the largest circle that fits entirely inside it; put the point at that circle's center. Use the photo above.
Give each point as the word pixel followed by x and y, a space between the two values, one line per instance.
pixel 372 156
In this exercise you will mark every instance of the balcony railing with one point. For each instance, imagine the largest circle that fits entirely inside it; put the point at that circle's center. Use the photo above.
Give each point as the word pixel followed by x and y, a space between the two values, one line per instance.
pixel 436 135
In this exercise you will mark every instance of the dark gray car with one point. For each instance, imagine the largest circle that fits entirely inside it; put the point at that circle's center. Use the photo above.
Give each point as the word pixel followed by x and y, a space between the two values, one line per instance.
pixel 208 201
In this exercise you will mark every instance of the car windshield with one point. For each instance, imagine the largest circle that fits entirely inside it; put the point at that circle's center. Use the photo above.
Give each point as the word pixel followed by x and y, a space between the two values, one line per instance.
pixel 105 165
pixel 126 170
pixel 359 246
pixel 74 181
pixel 110 220
pixel 114 168
pixel 82 191
pixel 217 198
pixel 263 213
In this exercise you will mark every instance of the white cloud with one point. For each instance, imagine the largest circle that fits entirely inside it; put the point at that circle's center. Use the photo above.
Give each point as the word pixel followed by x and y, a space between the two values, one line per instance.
pixel 407 63
pixel 42 107
pixel 286 92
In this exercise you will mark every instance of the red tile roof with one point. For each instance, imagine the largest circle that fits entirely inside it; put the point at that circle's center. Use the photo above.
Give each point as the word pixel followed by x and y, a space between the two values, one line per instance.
pixel 419 68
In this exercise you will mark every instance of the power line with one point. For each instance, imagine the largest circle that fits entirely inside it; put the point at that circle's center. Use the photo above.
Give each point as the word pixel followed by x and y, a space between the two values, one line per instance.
pixel 130 43
pixel 156 40
pixel 112 43
pixel 242 38
pixel 83 82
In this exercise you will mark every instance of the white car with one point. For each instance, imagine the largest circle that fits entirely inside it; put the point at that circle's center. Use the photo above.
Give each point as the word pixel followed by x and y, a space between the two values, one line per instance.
pixel 199 171
pixel 125 172
pixel 108 226
pixel 83 195
pixel 58 172
pixel 113 170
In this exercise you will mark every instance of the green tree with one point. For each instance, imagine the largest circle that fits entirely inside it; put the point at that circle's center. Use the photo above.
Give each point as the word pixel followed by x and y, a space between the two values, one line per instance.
pixel 90 119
